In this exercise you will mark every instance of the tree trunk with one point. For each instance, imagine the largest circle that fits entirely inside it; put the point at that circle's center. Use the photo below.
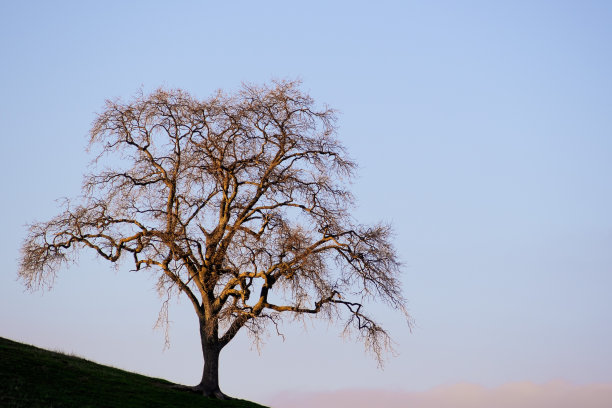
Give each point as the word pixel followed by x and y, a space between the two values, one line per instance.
pixel 209 385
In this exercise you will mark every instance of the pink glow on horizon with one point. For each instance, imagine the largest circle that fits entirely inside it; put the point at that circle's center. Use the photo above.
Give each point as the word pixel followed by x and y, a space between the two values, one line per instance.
pixel 556 394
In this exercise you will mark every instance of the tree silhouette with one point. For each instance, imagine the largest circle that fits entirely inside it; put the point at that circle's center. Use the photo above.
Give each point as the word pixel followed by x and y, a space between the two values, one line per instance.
pixel 239 202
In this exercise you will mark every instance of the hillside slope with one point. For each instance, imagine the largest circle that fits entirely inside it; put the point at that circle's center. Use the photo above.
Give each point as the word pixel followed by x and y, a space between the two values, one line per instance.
pixel 33 377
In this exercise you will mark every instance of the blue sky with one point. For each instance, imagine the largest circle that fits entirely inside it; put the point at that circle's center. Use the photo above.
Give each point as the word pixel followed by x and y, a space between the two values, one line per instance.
pixel 483 133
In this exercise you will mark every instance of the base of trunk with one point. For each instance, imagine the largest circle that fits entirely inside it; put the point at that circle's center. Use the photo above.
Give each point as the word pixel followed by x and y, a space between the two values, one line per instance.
pixel 199 389
pixel 216 394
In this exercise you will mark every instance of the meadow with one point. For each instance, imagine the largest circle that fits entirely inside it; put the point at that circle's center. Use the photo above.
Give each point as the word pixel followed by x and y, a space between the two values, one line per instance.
pixel 33 377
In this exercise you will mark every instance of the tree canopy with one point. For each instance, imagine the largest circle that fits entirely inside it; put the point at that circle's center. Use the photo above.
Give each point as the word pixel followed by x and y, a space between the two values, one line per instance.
pixel 240 202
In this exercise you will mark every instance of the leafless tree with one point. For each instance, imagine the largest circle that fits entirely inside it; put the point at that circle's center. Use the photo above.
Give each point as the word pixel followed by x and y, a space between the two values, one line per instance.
pixel 239 202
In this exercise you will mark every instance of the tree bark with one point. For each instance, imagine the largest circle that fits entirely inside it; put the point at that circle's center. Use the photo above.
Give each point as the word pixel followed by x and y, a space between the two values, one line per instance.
pixel 211 349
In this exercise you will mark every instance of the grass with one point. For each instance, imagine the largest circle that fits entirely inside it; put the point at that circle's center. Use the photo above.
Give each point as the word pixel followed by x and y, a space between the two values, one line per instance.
pixel 33 377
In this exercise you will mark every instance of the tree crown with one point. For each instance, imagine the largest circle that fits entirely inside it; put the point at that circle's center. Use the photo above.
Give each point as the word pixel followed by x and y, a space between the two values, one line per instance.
pixel 238 201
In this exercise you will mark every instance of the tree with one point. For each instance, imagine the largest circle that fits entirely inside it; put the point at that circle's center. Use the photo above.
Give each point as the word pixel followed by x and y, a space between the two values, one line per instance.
pixel 239 203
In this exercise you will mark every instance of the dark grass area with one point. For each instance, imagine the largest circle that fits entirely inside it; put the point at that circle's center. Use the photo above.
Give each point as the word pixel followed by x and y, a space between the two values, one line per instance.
pixel 33 377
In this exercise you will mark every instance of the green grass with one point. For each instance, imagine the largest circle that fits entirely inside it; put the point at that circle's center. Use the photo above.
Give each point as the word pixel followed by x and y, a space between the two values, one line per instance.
pixel 33 377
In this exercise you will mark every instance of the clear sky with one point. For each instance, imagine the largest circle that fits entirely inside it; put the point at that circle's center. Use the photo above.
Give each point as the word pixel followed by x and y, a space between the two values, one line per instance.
pixel 483 130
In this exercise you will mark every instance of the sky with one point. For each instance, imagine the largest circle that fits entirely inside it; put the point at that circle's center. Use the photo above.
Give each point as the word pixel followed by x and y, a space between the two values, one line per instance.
pixel 483 134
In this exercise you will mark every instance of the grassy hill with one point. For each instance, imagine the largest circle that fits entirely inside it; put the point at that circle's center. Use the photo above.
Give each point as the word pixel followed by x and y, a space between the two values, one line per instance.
pixel 33 377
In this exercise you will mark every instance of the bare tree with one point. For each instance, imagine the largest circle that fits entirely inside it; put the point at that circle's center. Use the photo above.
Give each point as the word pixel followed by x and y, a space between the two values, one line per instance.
pixel 239 202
